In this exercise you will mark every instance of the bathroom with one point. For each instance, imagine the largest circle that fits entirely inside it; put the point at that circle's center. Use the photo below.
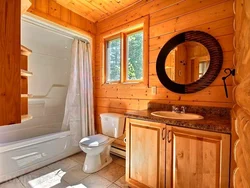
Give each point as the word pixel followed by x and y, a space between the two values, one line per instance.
pixel 87 125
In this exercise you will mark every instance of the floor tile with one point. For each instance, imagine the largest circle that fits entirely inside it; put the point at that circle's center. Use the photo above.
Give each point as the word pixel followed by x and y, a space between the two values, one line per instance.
pixel 79 157
pixel 63 165
pixel 73 175
pixel 121 182
pixel 112 172
pixel 120 161
pixel 56 182
pixel 113 186
pixel 15 183
pixel 42 178
pixel 95 181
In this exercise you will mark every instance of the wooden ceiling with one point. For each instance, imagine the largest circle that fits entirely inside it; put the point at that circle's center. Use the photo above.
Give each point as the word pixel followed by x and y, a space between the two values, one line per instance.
pixel 96 10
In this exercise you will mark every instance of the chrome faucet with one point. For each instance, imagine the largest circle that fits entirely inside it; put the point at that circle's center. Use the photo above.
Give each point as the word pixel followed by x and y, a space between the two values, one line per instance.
pixel 181 110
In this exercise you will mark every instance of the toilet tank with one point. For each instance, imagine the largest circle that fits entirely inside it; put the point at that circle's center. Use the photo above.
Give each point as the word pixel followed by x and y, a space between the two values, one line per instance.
pixel 112 124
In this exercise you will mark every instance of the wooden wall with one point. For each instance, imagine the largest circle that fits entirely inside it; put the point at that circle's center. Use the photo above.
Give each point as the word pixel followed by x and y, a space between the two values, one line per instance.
pixel 241 111
pixel 167 18
pixel 56 13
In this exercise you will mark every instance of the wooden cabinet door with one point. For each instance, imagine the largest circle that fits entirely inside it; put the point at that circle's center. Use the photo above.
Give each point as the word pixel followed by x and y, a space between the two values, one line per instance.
pixel 197 159
pixel 145 153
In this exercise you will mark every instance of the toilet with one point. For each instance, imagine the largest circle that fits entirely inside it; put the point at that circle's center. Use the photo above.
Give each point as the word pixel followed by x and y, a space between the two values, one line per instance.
pixel 97 147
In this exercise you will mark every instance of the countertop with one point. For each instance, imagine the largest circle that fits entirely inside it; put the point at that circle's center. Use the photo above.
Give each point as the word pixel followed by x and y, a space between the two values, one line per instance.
pixel 211 122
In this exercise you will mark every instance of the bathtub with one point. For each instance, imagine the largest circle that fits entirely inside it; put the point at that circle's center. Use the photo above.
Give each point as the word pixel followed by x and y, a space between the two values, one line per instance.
pixel 20 156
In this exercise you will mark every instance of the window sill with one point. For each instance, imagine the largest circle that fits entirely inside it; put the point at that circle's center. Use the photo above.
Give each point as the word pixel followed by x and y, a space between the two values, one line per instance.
pixel 125 84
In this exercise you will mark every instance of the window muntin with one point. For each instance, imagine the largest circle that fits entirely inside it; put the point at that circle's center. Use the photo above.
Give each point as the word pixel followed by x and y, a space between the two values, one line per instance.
pixel 113 60
pixel 134 56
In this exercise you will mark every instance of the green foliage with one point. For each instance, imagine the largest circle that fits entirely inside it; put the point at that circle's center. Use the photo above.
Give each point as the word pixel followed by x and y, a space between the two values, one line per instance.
pixel 114 59
pixel 135 56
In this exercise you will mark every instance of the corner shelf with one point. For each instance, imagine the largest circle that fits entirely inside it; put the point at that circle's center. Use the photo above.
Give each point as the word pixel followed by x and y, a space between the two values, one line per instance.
pixel 26 117
pixel 25 73
pixel 25 51
pixel 26 95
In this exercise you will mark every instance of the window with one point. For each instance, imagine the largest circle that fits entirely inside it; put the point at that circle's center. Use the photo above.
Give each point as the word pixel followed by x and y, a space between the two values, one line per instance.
pixel 124 57
pixel 113 61
pixel 134 59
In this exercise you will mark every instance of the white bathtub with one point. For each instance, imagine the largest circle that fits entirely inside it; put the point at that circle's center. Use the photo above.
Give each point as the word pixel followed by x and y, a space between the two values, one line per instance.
pixel 18 157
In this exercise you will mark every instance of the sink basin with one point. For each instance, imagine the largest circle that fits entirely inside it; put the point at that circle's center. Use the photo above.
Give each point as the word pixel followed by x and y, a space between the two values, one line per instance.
pixel 174 115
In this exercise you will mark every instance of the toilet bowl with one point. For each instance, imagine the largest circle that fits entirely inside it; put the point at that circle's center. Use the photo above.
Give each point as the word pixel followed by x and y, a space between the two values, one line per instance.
pixel 97 147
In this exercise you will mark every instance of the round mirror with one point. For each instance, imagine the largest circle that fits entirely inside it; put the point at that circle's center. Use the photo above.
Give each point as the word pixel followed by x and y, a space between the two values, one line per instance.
pixel 189 62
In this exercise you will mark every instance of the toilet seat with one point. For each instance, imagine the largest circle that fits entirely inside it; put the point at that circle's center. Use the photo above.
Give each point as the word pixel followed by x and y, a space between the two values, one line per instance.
pixel 94 140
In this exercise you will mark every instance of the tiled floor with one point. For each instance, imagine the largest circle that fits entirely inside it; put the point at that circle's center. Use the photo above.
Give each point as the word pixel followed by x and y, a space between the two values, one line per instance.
pixel 68 173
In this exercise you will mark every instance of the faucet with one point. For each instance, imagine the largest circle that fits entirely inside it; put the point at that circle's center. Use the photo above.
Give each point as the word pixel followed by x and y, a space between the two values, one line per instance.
pixel 181 110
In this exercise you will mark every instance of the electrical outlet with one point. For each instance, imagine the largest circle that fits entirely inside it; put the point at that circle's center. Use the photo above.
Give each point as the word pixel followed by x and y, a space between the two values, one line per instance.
pixel 154 90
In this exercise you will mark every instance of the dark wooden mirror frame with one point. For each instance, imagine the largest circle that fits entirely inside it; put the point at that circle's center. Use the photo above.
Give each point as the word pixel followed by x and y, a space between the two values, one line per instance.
pixel 216 61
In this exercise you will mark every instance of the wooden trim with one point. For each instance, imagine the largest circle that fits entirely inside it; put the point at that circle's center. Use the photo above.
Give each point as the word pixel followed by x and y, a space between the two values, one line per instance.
pixel 146 52
pixel 123 57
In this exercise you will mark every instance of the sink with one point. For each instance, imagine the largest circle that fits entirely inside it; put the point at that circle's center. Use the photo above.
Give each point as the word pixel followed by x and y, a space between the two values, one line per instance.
pixel 174 115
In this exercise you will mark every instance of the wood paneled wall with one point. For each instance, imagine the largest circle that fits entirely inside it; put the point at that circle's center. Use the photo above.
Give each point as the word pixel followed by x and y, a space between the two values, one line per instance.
pixel 167 19
pixel 56 13
pixel 241 111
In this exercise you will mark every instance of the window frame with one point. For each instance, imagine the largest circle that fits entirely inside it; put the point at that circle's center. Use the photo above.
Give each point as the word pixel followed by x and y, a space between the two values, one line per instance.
pixel 123 31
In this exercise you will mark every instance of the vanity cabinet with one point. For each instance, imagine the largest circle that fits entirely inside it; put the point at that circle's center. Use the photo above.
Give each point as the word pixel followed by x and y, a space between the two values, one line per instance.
pixel 145 153
pixel 197 158
pixel 159 155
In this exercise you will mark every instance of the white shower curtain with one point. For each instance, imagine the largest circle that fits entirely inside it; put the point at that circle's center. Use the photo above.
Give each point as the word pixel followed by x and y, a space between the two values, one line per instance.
pixel 79 107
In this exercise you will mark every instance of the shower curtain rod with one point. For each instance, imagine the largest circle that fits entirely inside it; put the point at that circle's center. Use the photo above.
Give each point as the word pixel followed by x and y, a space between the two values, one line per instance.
pixel 55 29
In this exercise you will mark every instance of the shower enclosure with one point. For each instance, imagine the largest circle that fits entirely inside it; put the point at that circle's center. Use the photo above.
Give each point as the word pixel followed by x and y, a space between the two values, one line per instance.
pixel 35 143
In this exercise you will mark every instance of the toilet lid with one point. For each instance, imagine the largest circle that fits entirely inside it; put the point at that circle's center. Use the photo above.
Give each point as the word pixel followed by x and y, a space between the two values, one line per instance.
pixel 94 141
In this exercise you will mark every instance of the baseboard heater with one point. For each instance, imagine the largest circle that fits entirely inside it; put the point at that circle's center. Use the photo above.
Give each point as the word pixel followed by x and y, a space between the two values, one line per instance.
pixel 118 150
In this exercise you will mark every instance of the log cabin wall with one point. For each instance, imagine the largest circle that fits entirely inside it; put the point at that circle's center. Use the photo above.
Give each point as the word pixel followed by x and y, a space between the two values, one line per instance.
pixel 241 111
pixel 50 10
pixel 167 18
